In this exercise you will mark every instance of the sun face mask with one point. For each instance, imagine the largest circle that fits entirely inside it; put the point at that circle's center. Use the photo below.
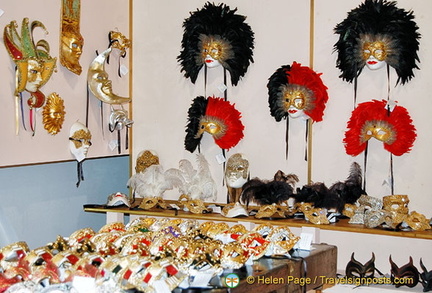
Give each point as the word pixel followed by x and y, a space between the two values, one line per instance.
pixel 34 65
pixel 354 269
pixel 375 34
pixel 53 114
pixel 71 40
pixel 216 35
pixel 217 117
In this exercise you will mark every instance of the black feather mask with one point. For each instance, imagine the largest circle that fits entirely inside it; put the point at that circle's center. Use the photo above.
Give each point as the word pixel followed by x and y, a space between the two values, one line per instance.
pixel 220 24
pixel 264 192
pixel 373 21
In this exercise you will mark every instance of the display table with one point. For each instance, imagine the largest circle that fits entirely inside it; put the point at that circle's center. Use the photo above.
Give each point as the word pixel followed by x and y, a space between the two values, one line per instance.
pixel 306 270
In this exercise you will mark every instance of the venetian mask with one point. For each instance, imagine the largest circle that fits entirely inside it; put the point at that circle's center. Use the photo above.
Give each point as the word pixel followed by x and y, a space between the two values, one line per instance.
pixel 79 141
pixel 215 50
pixel 71 40
pixel 296 99
pixel 407 274
pixel 417 221
pixel 375 50
pixel 53 114
pixel 146 159
pixel 237 171
pixel 355 269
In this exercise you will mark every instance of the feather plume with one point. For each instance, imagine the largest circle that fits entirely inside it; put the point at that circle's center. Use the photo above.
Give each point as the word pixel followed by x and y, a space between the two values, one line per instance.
pixel 150 183
pixel 196 183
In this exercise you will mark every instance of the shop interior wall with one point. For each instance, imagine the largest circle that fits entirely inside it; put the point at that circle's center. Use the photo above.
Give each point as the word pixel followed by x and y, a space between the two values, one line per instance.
pixel 162 97
pixel 38 175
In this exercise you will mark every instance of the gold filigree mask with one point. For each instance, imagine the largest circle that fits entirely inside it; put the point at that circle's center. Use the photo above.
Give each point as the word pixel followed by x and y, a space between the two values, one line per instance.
pixel 381 130
pixel 396 203
pixel 213 126
pixel 377 49
pixel 237 171
pixel 417 221
pixel 81 138
pixel 295 96
pixel 215 47
pixel 145 160
pixel 53 114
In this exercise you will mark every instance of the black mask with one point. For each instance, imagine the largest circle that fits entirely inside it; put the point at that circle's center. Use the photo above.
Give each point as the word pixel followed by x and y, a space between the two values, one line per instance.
pixel 355 269
pixel 408 272
pixel 425 278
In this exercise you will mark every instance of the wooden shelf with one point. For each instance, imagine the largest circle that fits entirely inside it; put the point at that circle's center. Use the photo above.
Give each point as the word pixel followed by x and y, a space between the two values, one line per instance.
pixel 342 225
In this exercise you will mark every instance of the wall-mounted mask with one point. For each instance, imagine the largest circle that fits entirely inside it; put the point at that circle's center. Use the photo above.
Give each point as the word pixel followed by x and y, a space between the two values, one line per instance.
pixel 53 114
pixel 217 117
pixel 71 40
pixel 34 65
pixel 236 175
pixel 79 144
pixel 374 34
pixel 216 35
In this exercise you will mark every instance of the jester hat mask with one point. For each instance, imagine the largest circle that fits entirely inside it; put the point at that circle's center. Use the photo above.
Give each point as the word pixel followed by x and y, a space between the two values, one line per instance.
pixel 34 65
pixel 299 88
pixel 374 119
pixel 220 32
pixel 217 117
pixel 378 28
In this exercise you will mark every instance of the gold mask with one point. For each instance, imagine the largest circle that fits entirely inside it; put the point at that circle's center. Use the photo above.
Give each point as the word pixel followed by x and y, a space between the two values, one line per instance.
pixel 296 96
pixel 145 160
pixel 216 47
pixel 71 40
pixel 378 49
pixel 381 130
pixel 53 114
pixel 213 126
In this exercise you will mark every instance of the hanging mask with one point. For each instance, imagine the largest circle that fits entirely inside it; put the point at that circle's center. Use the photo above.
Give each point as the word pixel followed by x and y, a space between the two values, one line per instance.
pixel 71 40
pixel 296 91
pixel 216 35
pixel 374 34
pixel 374 120
pixel 79 143
pixel 357 270
pixel 98 80
pixel 407 274
pixel 53 114
pixel 34 65
pixel 217 117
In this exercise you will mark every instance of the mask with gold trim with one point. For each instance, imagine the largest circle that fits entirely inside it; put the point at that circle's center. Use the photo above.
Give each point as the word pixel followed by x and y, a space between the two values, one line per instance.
pixel 53 114
pixel 374 119
pixel 217 117
pixel 79 143
pixel 71 40
pixel 380 33
pixel 34 65
pixel 216 35
pixel 145 159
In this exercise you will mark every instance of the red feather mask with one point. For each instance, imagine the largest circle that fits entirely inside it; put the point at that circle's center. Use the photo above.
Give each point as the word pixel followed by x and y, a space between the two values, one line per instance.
pixel 217 117
pixel 374 119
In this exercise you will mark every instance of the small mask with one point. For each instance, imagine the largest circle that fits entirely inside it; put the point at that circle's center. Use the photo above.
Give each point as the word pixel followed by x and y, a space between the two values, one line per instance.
pixel 79 143
pixel 237 171
pixel 146 159
pixel 53 114
pixel 417 221
pixel 370 202
pixel 425 278
pixel 407 274
pixel 355 269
